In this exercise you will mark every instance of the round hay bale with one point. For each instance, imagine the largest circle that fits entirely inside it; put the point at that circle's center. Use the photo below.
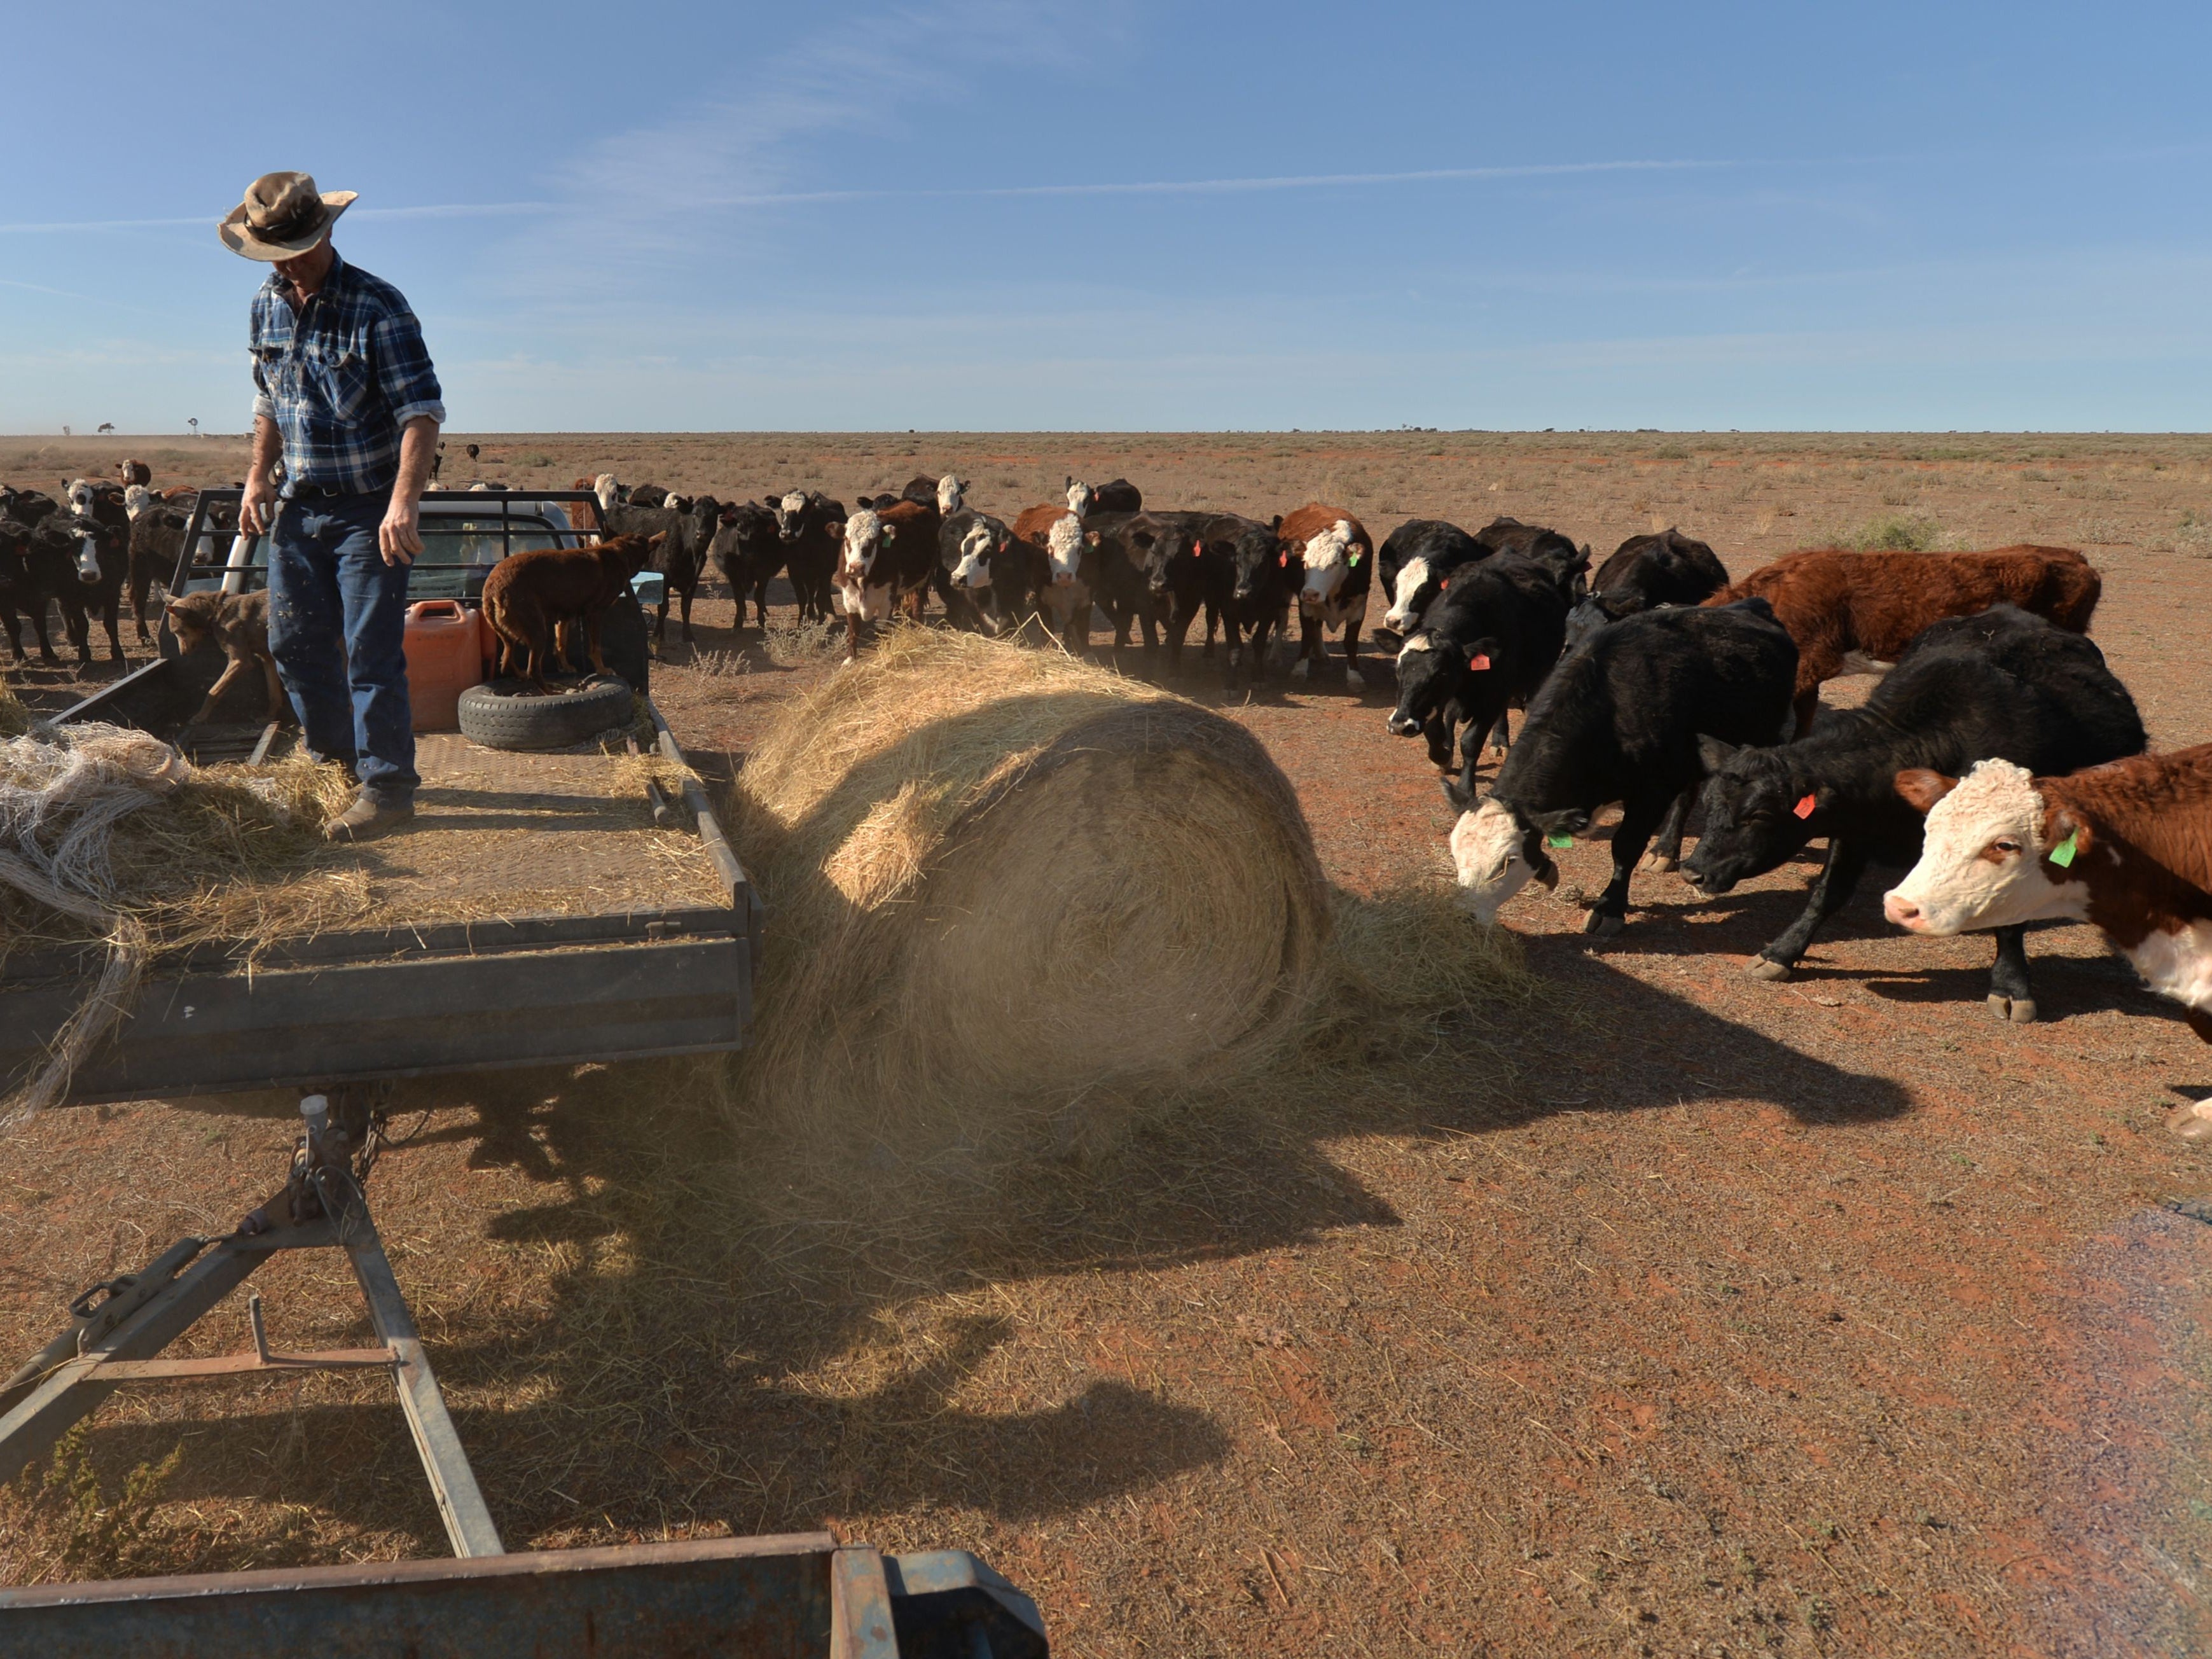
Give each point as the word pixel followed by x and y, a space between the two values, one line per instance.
pixel 1011 892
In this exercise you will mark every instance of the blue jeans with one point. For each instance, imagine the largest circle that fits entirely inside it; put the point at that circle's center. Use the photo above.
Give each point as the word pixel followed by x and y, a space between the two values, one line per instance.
pixel 337 624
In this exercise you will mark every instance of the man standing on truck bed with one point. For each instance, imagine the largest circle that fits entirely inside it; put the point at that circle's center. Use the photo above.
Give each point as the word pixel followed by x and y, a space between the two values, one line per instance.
pixel 346 392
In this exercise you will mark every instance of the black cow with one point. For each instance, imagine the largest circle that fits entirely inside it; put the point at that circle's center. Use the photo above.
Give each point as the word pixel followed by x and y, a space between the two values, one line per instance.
pixel 1415 561
pixel 1484 646
pixel 2002 685
pixel 1170 550
pixel 1644 573
pixel 1116 547
pixel 1246 569
pixel 749 552
pixel 1622 721
pixel 25 506
pixel 26 582
pixel 811 525
pixel 682 549
pixel 1547 547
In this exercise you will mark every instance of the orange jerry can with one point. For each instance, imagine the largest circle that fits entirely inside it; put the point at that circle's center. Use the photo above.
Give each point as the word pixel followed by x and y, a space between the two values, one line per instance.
pixel 445 657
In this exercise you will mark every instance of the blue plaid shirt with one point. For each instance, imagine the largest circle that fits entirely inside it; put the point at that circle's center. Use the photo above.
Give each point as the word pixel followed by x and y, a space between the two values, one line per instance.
pixel 340 378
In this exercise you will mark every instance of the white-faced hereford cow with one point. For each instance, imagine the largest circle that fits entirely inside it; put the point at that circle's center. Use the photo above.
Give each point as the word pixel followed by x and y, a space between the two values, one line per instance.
pixel 890 559
pixel 811 527
pixel 2127 846
pixel 1338 556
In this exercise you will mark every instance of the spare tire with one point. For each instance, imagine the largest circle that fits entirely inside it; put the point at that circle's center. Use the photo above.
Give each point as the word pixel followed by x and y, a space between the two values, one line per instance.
pixel 508 715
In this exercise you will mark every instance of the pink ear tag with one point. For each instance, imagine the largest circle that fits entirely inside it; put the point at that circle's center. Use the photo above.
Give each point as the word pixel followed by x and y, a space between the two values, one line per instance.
pixel 1479 662
pixel 1803 809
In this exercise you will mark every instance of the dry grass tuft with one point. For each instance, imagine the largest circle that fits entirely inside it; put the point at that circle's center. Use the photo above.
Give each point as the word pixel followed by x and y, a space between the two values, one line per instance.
pixel 14 718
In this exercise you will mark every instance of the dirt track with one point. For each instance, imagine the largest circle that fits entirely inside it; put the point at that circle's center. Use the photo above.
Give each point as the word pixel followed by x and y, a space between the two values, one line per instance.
pixel 1698 1314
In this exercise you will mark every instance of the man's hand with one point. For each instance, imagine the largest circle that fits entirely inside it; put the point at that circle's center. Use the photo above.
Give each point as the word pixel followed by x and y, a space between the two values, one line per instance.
pixel 258 507
pixel 400 536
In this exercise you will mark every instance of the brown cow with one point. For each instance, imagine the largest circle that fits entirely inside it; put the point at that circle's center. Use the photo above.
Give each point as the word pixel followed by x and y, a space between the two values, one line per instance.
pixel 238 623
pixel 583 515
pixel 2127 846
pixel 530 597
pixel 1854 613
pixel 1338 556
pixel 133 473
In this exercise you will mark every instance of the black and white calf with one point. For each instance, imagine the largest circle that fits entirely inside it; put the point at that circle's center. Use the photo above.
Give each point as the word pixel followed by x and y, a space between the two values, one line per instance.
pixel 2002 685
pixel 985 582
pixel 1415 562
pixel 1622 721
pixel 811 527
pixel 1485 644
pixel 1644 573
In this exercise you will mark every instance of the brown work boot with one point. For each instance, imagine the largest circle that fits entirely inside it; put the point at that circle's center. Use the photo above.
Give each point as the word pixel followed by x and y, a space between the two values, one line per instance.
pixel 367 818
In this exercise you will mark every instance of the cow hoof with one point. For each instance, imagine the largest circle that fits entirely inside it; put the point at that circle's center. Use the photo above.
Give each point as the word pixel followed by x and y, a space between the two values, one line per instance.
pixel 2020 1011
pixel 2193 1121
pixel 1498 749
pixel 1355 679
pixel 1767 968
pixel 1603 924
pixel 1660 862
pixel 1298 669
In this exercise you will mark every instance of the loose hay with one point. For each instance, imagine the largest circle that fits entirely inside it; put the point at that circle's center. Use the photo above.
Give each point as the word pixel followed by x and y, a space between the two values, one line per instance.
pixel 1017 901
pixel 108 835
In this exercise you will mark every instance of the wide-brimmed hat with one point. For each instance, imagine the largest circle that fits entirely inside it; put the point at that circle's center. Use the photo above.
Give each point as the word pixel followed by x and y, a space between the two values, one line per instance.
pixel 283 215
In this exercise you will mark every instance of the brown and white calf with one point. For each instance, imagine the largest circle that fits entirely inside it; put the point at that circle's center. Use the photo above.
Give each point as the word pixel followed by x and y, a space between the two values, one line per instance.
pixel 1056 534
pixel 1852 613
pixel 2126 846
pixel 1338 556
pixel 890 557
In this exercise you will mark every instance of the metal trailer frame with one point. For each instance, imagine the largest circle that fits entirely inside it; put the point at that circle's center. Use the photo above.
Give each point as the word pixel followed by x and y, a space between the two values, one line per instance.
pixel 471 996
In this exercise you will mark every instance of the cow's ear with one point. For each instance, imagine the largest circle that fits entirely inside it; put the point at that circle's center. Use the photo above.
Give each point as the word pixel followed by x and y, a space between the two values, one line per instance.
pixel 1921 788
pixel 1090 537
pixel 835 528
pixel 1712 753
pixel 656 538
pixel 2062 830
pixel 1278 523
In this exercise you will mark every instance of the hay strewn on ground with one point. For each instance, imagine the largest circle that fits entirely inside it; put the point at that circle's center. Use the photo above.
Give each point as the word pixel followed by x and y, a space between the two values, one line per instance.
pixel 1016 901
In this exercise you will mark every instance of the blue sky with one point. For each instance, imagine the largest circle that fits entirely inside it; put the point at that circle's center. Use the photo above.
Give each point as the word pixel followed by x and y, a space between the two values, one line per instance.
pixel 982 214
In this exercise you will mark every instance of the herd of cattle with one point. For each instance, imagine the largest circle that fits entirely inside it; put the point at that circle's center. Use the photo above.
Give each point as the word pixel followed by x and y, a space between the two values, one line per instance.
pixel 1653 682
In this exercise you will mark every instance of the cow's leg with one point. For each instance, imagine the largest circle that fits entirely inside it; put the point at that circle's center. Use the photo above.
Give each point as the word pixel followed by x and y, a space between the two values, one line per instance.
pixel 1832 891
pixel 660 622
pixel 1312 646
pixel 852 632
pixel 1438 733
pixel 1667 845
pixel 46 654
pixel 1638 817
pixel 111 618
pixel 12 620
pixel 1501 731
pixel 1212 621
pixel 689 594
pixel 232 671
pixel 1352 676
pixel 142 586
pixel 79 624
pixel 2011 996
pixel 1179 615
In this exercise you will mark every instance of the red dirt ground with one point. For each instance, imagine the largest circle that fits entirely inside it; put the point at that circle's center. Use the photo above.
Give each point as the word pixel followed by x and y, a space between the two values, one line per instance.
pixel 1697 1315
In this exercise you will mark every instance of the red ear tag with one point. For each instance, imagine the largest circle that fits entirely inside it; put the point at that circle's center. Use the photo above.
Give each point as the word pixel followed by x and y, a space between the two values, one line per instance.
pixel 1803 809
pixel 1284 560
pixel 1479 662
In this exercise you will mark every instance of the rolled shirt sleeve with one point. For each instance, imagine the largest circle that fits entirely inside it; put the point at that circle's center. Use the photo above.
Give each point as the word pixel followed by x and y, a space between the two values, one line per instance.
pixel 404 370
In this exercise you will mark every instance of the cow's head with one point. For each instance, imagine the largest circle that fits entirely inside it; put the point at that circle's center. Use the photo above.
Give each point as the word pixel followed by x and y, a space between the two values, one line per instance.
pixel 136 499
pixel 1255 559
pixel 1327 559
pixel 1078 497
pixel 86 533
pixel 1986 854
pixel 79 495
pixel 865 536
pixel 971 570
pixel 1592 612
pixel 1431 670
pixel 1063 548
pixel 192 618
pixel 949 493
pixel 791 515
pixel 1756 814
pixel 1497 848
pixel 1417 586
pixel 609 492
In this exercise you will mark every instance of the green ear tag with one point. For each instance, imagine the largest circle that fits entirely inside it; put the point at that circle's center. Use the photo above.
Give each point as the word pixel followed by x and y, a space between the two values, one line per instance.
pixel 1561 843
pixel 2062 854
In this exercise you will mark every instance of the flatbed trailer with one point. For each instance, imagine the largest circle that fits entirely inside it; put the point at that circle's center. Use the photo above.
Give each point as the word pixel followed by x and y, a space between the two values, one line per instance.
pixel 623 970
